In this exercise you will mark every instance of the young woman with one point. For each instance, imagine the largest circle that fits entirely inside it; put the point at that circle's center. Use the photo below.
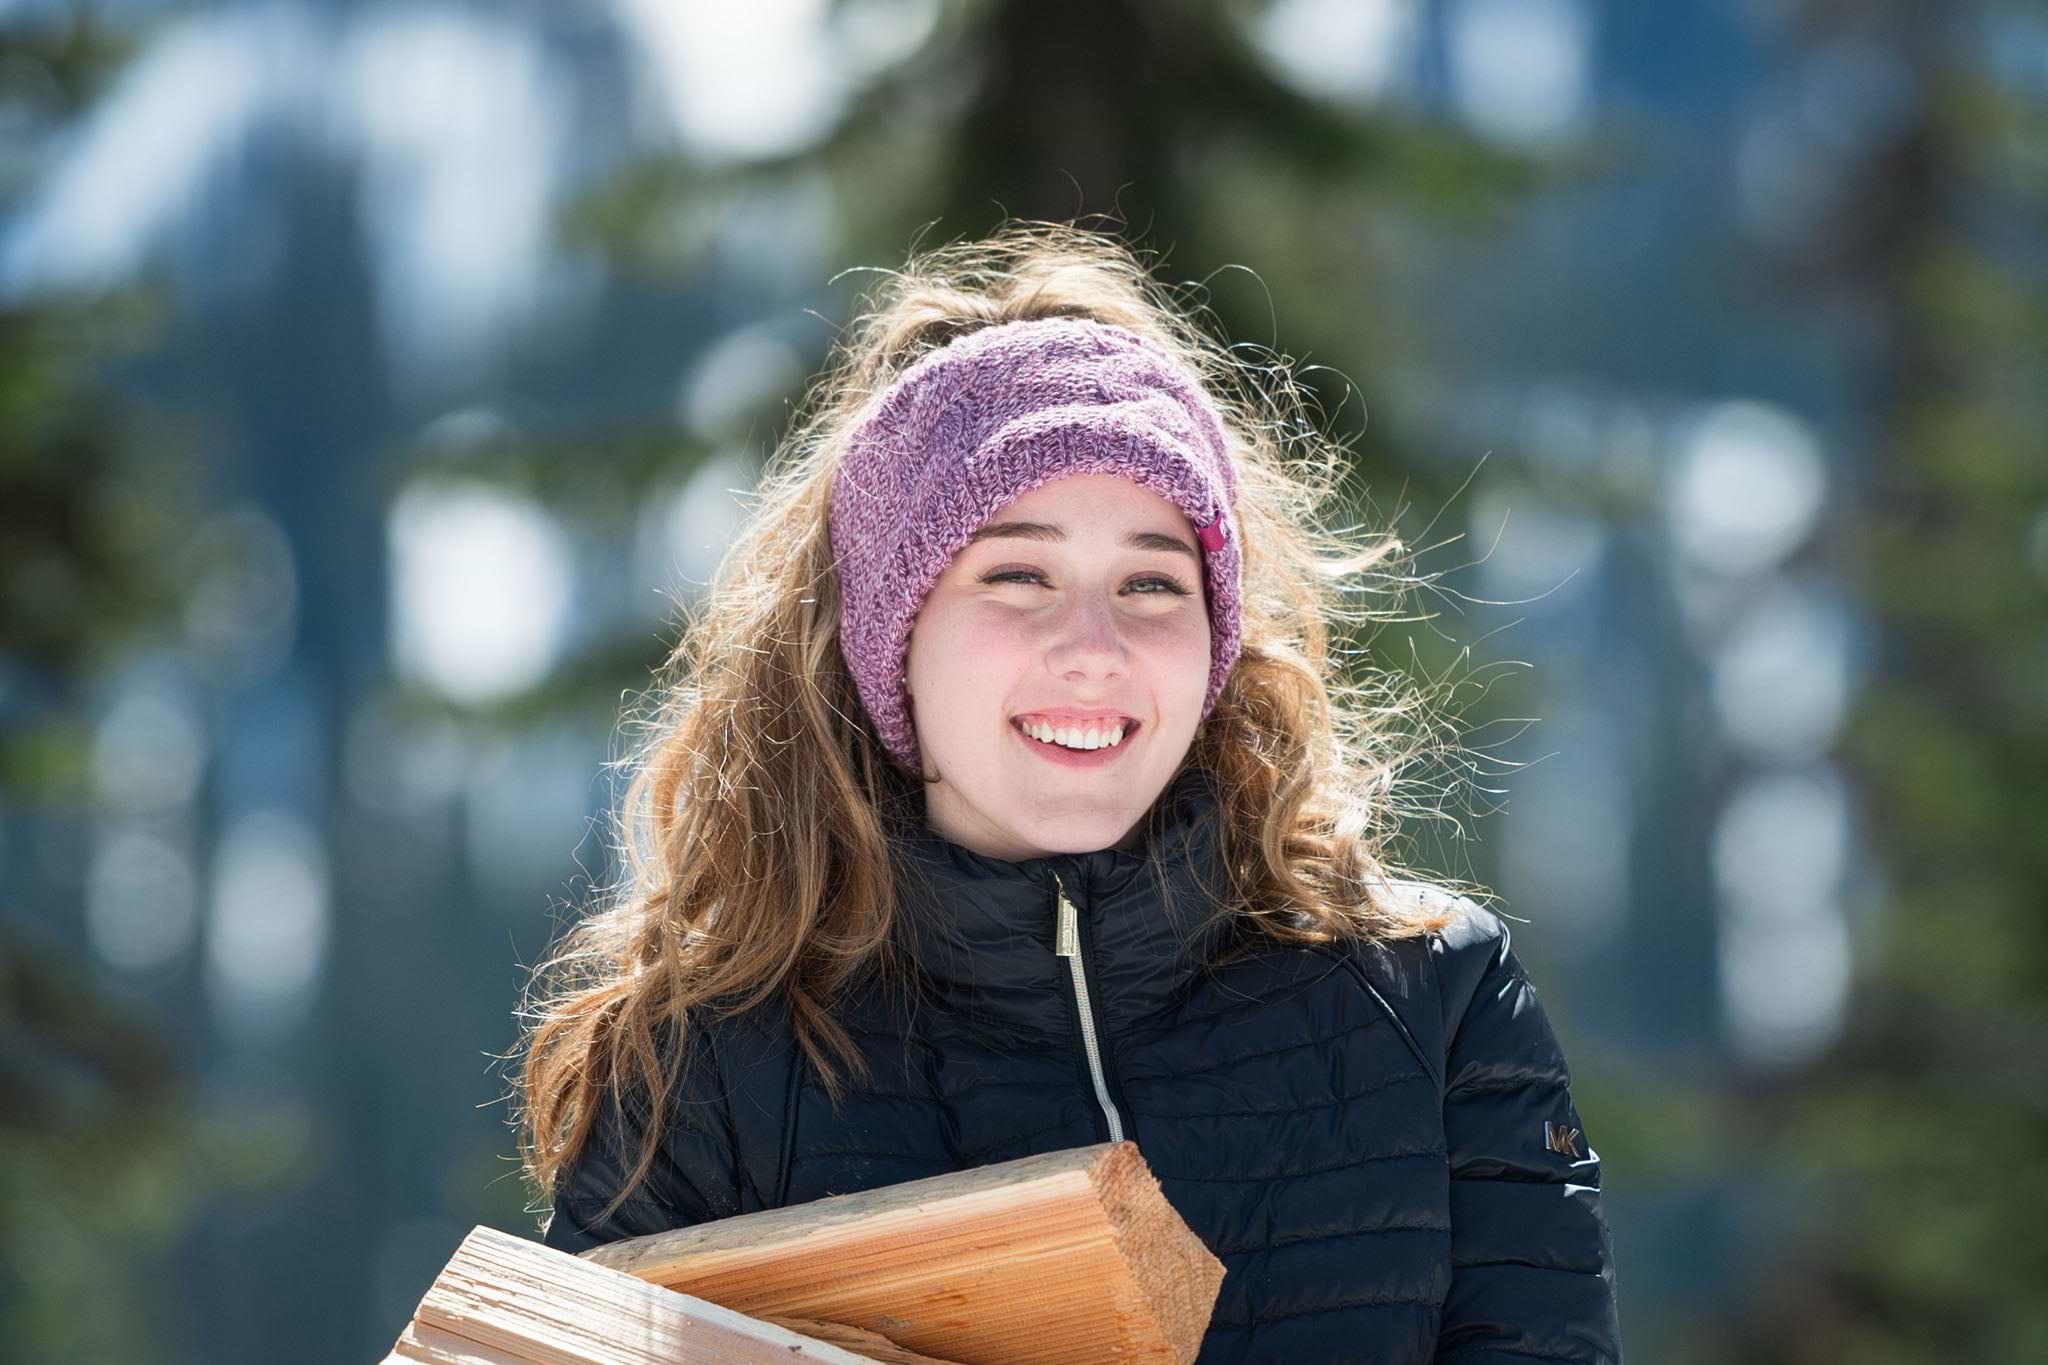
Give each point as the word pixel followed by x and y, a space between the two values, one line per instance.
pixel 1006 798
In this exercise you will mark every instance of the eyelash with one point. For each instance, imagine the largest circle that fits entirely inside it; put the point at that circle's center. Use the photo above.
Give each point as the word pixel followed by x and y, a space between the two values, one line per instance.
pixel 1172 588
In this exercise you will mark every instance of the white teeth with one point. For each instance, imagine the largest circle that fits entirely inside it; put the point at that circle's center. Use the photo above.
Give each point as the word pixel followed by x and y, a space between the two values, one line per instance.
pixel 1093 738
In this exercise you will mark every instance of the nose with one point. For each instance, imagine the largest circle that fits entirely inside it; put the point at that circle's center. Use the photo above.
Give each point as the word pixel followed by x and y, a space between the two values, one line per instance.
pixel 1087 642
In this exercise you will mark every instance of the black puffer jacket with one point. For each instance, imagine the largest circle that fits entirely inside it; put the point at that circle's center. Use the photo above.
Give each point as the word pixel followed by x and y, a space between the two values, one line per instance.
pixel 1379 1143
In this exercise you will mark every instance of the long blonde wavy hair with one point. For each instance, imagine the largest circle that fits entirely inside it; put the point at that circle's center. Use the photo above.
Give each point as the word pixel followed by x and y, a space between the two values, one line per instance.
pixel 753 835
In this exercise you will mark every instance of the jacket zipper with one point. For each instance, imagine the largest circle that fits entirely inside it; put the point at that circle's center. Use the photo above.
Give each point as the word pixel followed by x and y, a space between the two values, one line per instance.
pixel 1068 946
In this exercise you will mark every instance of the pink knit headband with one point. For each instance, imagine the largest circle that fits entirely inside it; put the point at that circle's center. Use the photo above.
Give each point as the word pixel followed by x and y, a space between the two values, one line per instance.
pixel 979 422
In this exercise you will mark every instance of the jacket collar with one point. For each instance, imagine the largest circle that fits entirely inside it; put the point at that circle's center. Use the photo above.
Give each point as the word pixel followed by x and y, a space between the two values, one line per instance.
pixel 1152 912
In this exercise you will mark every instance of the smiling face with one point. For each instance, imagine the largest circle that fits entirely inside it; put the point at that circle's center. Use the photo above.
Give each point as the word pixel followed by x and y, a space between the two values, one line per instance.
pixel 1090 620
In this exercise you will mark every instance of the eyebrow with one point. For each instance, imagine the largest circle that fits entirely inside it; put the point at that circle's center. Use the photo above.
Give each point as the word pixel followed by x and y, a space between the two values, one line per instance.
pixel 1039 530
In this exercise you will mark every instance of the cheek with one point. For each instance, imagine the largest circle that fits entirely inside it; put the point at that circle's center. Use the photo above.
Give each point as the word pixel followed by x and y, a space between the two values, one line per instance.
pixel 1184 658
pixel 963 655
pixel 1182 630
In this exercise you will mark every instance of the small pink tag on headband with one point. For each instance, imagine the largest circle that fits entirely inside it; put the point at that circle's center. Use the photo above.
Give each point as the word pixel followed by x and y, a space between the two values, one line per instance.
pixel 1211 535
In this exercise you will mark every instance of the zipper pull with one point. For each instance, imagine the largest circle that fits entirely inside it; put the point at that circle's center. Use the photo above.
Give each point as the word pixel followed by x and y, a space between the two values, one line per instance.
pixel 1067 942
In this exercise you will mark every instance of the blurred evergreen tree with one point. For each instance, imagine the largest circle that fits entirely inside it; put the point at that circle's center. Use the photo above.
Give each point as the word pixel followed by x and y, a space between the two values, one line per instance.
pixel 1159 123
pixel 103 1164
pixel 1921 1142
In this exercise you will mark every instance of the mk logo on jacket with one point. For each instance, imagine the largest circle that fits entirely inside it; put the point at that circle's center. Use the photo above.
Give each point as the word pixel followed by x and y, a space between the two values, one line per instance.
pixel 1560 1139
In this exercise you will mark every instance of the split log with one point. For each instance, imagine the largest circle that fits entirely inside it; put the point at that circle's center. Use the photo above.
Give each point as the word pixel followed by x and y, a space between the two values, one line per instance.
pixel 503 1300
pixel 1066 1257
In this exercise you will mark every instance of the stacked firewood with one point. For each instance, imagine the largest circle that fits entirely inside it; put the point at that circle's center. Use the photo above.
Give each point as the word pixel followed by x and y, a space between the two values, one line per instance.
pixel 1070 1257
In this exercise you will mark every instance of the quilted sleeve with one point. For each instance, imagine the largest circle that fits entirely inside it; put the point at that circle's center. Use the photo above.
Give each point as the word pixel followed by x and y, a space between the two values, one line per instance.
pixel 1532 1262
pixel 694 1178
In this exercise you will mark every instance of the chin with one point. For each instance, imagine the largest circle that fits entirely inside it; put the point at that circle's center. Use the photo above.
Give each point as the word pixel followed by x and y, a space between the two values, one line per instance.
pixel 1070 831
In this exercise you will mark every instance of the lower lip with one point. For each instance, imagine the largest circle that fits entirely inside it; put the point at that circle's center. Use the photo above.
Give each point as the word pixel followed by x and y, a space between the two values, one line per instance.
pixel 1078 758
